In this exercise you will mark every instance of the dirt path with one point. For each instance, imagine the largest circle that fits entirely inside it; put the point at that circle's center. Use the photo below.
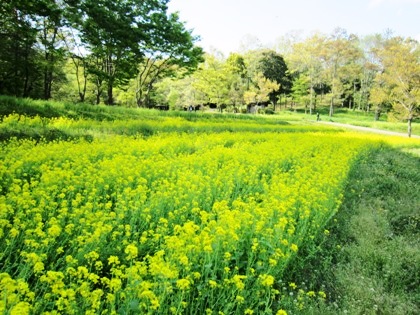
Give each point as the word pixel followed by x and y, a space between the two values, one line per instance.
pixel 367 129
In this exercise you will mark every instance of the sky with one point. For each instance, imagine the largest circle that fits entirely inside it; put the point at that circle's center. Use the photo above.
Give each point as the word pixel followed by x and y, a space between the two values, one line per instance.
pixel 231 25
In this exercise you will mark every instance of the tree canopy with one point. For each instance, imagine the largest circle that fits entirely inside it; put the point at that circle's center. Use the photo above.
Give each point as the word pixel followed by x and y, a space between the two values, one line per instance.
pixel 136 53
pixel 398 82
pixel 113 37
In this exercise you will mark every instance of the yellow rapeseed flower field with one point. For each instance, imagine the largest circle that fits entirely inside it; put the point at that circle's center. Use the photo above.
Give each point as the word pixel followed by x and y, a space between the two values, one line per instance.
pixel 165 224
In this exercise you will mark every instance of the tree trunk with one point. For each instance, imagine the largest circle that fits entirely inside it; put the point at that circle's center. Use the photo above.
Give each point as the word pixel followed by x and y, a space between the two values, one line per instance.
pixel 331 107
pixel 80 86
pixel 47 82
pixel 50 59
pixel 377 114
pixel 27 71
pixel 311 98
pixel 409 126
pixel 98 98
pixel 110 96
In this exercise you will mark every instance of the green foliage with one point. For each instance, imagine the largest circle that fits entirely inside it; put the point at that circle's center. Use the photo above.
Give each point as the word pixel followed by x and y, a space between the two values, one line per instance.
pixel 20 62
pixel 274 68
pixel 300 89
pixel 367 259
pixel 399 82
pixel 260 89
pixel 105 40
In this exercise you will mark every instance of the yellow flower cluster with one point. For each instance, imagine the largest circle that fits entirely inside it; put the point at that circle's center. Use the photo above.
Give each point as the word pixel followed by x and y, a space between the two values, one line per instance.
pixel 164 224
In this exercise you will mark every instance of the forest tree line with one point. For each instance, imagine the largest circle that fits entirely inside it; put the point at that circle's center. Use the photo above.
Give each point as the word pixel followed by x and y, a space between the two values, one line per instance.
pixel 85 50
pixel 134 53
pixel 379 73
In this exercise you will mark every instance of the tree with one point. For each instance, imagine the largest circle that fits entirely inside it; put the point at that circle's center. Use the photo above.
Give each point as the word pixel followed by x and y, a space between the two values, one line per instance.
pixel 301 85
pixel 339 54
pixel 49 25
pixel 212 80
pixel 305 60
pixel 171 51
pixel 78 57
pixel 20 60
pixel 274 68
pixel 112 31
pixel 370 66
pixel 237 79
pixel 122 34
pixel 260 89
pixel 399 81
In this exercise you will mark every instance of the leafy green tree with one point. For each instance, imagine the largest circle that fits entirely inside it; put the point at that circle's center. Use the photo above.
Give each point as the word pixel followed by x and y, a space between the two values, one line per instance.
pixel 274 68
pixel 49 24
pixel 301 85
pixel 339 54
pixel 369 66
pixel 171 52
pixel 399 81
pixel 112 31
pixel 237 79
pixel 260 89
pixel 305 60
pixel 212 80
pixel 20 58
pixel 122 34
pixel 79 58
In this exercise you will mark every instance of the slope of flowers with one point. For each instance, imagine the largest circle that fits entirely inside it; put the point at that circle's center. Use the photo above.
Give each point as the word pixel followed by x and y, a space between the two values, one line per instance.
pixel 171 224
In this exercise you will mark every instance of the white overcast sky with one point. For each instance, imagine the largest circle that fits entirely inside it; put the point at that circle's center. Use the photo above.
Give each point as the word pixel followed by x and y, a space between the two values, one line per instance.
pixel 224 24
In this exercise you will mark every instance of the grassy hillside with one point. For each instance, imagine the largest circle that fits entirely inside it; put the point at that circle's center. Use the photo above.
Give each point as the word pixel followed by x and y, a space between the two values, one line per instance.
pixel 25 118
pixel 116 210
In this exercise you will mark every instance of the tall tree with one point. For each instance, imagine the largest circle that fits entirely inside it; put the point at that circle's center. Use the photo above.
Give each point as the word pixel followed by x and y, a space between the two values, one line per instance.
pixel 339 54
pixel 121 34
pixel 301 85
pixel 399 81
pixel 49 26
pixel 212 80
pixel 113 31
pixel 20 60
pixel 274 68
pixel 170 51
pixel 305 60
pixel 260 89
pixel 370 66
pixel 79 59
pixel 237 79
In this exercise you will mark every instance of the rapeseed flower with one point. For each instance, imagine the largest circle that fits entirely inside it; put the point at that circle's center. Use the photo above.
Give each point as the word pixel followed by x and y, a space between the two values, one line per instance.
pixel 132 251
pixel 123 219
pixel 266 280
pixel 183 284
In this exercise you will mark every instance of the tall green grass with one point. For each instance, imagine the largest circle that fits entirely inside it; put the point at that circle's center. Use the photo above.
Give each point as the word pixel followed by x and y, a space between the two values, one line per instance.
pixel 369 261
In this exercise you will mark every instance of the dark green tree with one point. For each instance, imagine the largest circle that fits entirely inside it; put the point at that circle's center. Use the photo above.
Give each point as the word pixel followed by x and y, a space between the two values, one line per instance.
pixel 31 54
pixel 112 32
pixel 274 68
pixel 120 35
pixel 19 58
pixel 170 51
